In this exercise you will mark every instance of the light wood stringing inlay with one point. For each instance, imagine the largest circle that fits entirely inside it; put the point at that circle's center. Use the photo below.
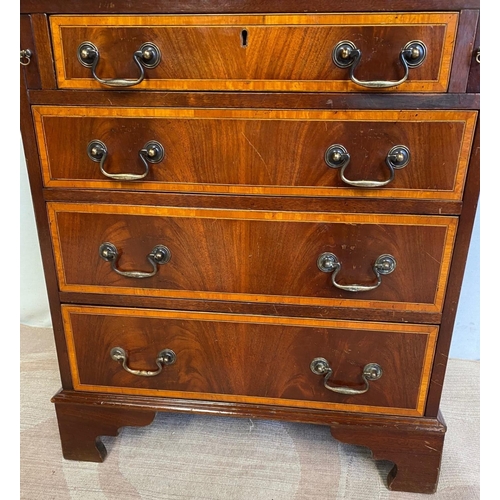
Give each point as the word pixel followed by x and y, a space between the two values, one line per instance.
pixel 430 330
pixel 446 19
pixel 449 222
pixel 468 118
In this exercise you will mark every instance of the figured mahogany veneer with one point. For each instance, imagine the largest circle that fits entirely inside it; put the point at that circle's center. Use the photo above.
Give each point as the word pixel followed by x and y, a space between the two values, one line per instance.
pixel 209 52
pixel 251 152
pixel 254 256
pixel 245 101
pixel 221 357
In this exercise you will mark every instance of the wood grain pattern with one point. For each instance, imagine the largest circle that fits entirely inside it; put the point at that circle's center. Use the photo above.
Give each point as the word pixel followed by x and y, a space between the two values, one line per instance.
pixel 41 33
pixel 474 81
pixel 246 220
pixel 250 152
pixel 221 357
pixel 42 224
pixel 259 308
pixel 80 428
pixel 227 255
pixel 237 6
pixel 416 453
pixel 460 253
pixel 463 50
pixel 257 100
pixel 258 202
pixel 414 444
pixel 205 52
pixel 31 71
pixel 247 410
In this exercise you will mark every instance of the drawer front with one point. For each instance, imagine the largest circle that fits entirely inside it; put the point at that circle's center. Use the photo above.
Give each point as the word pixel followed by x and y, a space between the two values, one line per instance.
pixel 251 152
pixel 253 52
pixel 253 255
pixel 256 359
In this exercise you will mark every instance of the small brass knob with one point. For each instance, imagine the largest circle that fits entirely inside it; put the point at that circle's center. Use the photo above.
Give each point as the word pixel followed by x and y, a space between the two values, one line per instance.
pixel 415 53
pixel 344 53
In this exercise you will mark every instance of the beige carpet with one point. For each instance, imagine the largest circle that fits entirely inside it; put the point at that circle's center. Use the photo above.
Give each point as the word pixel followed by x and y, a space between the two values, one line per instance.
pixel 205 458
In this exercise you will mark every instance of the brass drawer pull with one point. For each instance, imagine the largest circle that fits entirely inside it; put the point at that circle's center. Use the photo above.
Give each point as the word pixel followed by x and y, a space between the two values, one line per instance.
pixel 328 262
pixel 371 371
pixel 165 358
pixel 148 56
pixel 25 57
pixel 346 55
pixel 158 256
pixel 336 156
pixel 152 152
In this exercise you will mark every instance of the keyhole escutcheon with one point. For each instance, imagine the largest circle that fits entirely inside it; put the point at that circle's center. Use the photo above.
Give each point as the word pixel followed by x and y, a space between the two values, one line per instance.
pixel 244 38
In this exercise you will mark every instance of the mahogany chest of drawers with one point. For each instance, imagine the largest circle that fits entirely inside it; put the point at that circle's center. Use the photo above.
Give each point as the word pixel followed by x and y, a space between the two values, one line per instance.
pixel 254 209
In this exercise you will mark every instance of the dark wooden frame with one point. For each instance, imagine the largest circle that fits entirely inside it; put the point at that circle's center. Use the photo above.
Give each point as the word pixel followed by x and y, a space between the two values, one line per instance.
pixel 103 414
pixel 236 6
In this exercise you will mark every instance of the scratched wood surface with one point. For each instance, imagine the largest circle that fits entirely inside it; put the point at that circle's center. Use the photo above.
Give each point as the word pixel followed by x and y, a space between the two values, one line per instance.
pixel 254 256
pixel 223 357
pixel 252 151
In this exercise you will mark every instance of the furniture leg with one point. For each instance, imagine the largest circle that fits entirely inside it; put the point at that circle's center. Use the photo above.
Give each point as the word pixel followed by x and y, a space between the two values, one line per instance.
pixel 80 427
pixel 416 453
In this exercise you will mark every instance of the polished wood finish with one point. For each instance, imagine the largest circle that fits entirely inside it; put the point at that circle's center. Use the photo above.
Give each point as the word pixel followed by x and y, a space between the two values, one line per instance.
pixel 258 202
pixel 31 71
pixel 227 255
pixel 206 52
pixel 473 83
pixel 211 346
pixel 466 225
pixel 439 144
pixel 416 454
pixel 261 308
pixel 414 444
pixel 236 249
pixel 237 6
pixel 43 50
pixel 93 422
pixel 40 212
pixel 282 100
pixel 463 50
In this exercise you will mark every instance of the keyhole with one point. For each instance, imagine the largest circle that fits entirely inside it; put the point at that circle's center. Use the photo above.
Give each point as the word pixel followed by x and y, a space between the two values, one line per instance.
pixel 244 38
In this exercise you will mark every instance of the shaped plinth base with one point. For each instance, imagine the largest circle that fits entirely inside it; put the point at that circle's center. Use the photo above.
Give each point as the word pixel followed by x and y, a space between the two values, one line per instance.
pixel 80 427
pixel 414 449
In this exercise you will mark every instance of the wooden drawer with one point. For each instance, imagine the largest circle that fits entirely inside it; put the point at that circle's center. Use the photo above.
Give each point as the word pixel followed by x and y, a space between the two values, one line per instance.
pixel 254 359
pixel 255 52
pixel 254 255
pixel 252 151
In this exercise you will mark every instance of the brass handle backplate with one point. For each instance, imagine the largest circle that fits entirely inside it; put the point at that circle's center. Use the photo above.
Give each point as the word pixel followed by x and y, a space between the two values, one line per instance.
pixel 346 54
pixel 371 371
pixel 329 263
pixel 336 156
pixel 164 358
pixel 148 56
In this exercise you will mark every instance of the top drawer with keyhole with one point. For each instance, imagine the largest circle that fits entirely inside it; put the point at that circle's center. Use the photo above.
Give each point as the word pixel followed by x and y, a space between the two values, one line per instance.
pixel 409 52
